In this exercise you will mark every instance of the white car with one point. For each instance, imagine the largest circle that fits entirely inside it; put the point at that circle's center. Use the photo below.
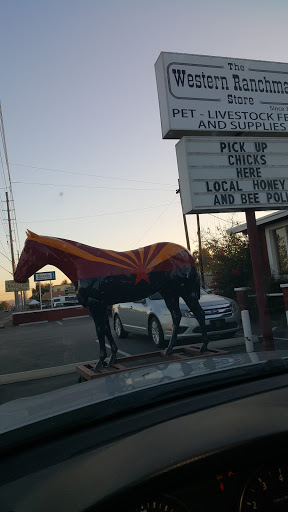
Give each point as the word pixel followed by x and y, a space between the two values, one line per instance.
pixel 151 317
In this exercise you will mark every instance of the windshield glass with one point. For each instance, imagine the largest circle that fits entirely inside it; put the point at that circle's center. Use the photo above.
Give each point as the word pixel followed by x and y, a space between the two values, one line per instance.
pixel 114 243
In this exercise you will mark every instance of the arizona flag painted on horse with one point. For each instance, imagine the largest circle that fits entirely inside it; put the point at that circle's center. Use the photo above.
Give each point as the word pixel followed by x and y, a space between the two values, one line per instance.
pixel 103 277
pixel 79 261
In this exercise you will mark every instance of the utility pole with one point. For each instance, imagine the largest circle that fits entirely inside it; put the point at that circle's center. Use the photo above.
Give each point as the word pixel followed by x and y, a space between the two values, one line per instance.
pixel 12 249
pixel 200 252
pixel 186 233
pixel 185 223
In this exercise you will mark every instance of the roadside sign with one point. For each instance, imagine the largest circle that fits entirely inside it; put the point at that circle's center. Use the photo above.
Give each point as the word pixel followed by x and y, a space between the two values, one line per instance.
pixel 44 276
pixel 200 93
pixel 225 98
pixel 222 174
pixel 11 286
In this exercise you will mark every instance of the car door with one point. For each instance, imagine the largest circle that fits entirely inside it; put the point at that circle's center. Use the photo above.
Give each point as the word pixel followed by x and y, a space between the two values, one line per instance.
pixel 136 316
pixel 123 311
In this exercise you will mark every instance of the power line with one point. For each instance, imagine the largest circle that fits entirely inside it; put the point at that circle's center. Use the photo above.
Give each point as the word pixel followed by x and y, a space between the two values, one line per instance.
pixel 93 175
pixel 5 256
pixel 2 130
pixel 92 186
pixel 96 215
pixel 5 226
pixel 219 218
pixel 6 270
pixel 153 224
pixel 3 249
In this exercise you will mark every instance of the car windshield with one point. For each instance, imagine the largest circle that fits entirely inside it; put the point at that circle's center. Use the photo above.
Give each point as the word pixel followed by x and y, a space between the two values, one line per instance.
pixel 106 226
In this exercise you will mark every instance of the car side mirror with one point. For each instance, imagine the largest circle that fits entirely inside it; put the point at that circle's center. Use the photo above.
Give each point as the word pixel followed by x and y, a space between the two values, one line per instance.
pixel 142 301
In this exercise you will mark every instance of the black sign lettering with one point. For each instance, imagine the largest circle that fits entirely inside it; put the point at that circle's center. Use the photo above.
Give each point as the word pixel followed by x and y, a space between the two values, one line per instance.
pixel 247 159
pixel 268 184
pixel 250 198
pixel 277 197
pixel 223 199
pixel 248 172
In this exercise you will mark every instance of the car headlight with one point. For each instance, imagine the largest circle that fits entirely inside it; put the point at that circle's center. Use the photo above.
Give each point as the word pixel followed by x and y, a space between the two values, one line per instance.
pixel 234 306
pixel 187 313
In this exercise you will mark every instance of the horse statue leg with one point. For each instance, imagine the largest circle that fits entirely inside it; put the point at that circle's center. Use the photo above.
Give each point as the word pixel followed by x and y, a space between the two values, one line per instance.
pixel 100 316
pixel 194 306
pixel 172 304
pixel 109 336
pixel 98 310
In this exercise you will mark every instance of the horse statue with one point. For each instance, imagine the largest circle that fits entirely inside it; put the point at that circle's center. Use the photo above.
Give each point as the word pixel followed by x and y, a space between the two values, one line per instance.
pixel 104 277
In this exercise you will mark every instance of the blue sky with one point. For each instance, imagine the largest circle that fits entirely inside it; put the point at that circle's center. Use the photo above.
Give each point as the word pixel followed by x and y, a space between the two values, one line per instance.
pixel 78 93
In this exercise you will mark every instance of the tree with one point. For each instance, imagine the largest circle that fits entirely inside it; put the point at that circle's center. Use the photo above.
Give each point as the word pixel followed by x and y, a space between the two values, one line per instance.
pixel 227 258
pixel 35 291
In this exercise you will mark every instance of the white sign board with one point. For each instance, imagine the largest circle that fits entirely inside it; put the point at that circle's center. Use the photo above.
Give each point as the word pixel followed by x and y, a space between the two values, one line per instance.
pixel 199 93
pixel 222 174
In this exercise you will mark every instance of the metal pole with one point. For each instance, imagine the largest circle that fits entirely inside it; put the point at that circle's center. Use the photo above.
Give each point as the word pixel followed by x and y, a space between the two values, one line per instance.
pixel 40 296
pixel 12 249
pixel 200 252
pixel 185 222
pixel 241 294
pixel 51 298
pixel 265 320
pixel 186 233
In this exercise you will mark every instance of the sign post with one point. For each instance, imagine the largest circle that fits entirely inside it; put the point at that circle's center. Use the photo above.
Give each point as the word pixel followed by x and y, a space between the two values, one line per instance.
pixel 51 298
pixel 40 295
pixel 225 97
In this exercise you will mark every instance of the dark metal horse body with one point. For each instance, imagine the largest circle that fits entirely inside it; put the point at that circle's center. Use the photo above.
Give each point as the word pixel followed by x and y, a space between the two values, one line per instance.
pixel 103 277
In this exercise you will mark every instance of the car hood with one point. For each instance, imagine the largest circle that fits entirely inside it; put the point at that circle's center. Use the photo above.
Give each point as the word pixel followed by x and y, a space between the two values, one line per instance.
pixel 212 300
pixel 208 300
pixel 130 388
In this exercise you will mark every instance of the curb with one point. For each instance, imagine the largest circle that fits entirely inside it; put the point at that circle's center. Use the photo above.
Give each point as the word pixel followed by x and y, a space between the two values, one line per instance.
pixel 42 373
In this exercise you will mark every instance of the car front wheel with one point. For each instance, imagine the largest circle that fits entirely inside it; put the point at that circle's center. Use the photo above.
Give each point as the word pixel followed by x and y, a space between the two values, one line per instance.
pixel 120 333
pixel 156 332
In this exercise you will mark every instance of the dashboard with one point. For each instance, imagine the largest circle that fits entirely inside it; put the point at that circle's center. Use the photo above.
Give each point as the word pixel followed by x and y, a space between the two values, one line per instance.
pixel 227 484
pixel 225 449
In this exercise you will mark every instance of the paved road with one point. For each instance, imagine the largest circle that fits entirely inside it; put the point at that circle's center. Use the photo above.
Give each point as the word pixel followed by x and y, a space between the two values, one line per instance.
pixel 51 344
pixel 30 347
pixel 45 345
pixel 5 317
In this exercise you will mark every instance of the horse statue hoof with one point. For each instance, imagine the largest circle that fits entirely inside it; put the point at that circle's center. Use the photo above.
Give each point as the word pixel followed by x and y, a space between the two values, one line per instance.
pixel 112 360
pixel 203 348
pixel 99 365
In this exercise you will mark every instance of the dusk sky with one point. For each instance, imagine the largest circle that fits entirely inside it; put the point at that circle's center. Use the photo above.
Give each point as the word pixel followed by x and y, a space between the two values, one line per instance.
pixel 80 107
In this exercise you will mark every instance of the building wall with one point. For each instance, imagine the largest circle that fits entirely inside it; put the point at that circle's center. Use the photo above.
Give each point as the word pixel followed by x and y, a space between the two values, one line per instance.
pixel 60 287
pixel 273 253
pixel 263 247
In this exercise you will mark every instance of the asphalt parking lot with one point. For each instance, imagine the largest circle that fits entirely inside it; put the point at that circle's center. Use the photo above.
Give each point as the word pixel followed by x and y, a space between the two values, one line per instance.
pixel 42 357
